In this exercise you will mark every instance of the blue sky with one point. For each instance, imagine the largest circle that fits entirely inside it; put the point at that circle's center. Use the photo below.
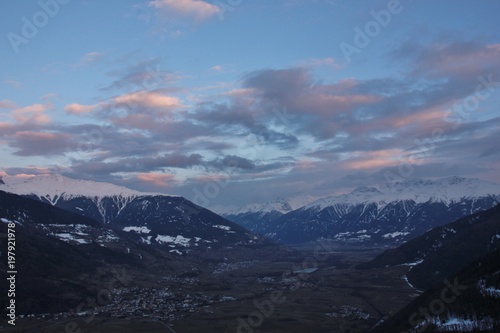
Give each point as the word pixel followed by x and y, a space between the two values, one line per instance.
pixel 236 101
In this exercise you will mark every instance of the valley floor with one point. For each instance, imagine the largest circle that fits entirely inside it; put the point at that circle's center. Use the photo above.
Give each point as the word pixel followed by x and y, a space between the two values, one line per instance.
pixel 312 290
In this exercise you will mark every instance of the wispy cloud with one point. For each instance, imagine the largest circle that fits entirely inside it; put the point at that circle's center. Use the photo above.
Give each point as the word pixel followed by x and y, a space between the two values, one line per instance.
pixel 89 59
pixel 197 10
pixel 14 83
pixel 79 109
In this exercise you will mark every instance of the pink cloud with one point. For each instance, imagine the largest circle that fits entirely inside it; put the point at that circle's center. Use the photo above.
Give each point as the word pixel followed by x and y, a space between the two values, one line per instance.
pixel 418 118
pixel 79 109
pixel 157 179
pixel 459 58
pixel 152 100
pixel 6 104
pixel 373 160
pixel 326 104
pixel 34 114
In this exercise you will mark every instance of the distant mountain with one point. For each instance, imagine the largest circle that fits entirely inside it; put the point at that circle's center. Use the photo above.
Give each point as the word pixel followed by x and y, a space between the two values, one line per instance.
pixel 168 221
pixel 445 250
pixel 468 301
pixel 255 216
pixel 388 214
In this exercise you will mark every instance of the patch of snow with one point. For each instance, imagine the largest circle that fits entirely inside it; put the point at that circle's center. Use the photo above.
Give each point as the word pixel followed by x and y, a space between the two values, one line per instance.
pixel 364 237
pixel 413 263
pixel 139 230
pixel 488 291
pixel 455 323
pixel 176 251
pixel 395 234
pixel 179 240
pixel 220 226
pixel 146 240
pixel 67 237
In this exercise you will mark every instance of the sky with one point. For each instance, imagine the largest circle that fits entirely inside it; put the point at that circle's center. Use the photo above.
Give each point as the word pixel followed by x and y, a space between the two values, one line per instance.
pixel 231 102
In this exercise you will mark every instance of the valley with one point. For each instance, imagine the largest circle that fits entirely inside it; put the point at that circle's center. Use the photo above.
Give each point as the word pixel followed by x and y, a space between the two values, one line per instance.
pixel 251 296
pixel 117 260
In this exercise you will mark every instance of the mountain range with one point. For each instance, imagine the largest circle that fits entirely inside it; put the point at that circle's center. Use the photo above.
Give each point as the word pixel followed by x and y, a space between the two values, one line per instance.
pixel 76 239
pixel 387 214
pixel 163 220
pixel 158 256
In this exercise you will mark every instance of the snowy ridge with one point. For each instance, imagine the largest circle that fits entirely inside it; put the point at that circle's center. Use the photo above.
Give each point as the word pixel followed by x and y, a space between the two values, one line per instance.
pixel 56 187
pixel 279 205
pixel 446 190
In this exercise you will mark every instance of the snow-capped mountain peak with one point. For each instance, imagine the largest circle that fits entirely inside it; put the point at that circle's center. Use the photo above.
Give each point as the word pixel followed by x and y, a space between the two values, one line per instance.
pixel 54 187
pixel 446 190
pixel 279 205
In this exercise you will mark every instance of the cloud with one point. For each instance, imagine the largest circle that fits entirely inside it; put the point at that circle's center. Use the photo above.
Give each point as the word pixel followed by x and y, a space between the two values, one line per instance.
pixel 147 100
pixel 6 104
pixel 32 114
pixel 232 161
pixel 275 128
pixel 321 62
pixel 191 9
pixel 453 58
pixel 79 109
pixel 140 109
pixel 144 75
pixel 157 179
pixel 40 143
pixel 279 83
pixel 373 160
pixel 138 164
pixel 89 59
pixel 217 68
pixel 14 83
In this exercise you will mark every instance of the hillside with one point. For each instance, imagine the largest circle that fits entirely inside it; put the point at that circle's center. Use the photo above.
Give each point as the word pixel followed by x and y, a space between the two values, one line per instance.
pixel 445 250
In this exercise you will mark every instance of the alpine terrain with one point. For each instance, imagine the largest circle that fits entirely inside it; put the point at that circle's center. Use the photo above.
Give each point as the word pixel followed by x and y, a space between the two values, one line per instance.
pixel 388 214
